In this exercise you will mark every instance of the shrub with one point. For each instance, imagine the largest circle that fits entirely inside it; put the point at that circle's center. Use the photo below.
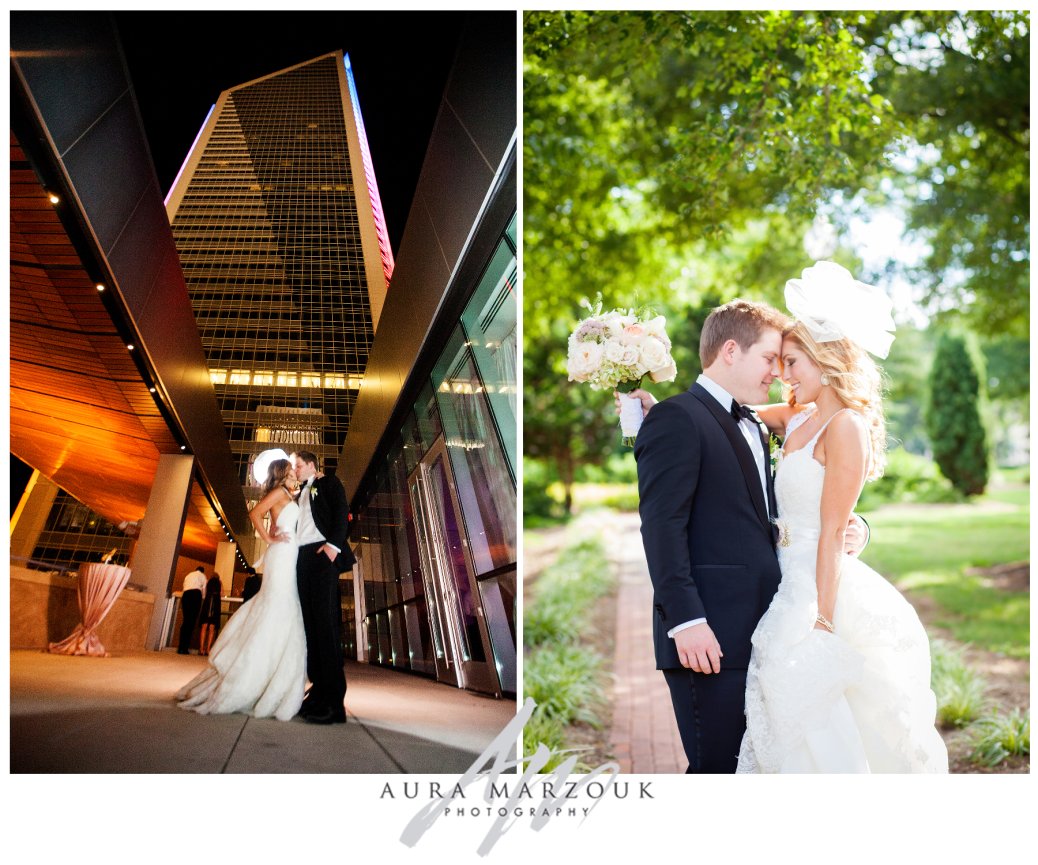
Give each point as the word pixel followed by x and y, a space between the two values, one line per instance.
pixel 563 681
pixel 953 420
pixel 539 507
pixel 625 501
pixel 565 592
pixel 1000 736
pixel 566 679
pixel 542 730
pixel 908 478
pixel 959 691
pixel 619 468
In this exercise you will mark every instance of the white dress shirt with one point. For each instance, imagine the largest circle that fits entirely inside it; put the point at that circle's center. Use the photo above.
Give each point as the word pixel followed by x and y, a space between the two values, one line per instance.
pixel 307 531
pixel 195 580
pixel 751 432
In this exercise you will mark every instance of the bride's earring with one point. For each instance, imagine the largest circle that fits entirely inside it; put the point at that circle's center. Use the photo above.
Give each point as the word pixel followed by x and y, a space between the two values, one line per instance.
pixel 825 379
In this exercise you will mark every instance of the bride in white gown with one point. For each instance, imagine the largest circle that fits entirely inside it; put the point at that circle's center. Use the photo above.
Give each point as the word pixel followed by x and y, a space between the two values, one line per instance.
pixel 839 676
pixel 257 665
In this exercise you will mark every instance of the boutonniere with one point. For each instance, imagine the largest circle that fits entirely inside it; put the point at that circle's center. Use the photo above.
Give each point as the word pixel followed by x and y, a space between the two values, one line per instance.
pixel 774 450
pixel 313 492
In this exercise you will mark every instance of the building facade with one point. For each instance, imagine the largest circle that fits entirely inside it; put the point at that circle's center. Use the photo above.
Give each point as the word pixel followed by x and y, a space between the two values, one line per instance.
pixel 436 534
pixel 283 245
pixel 275 319
pixel 430 459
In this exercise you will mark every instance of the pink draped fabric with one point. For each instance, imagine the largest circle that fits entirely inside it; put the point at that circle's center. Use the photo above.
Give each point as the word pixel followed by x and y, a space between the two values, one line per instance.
pixel 99 586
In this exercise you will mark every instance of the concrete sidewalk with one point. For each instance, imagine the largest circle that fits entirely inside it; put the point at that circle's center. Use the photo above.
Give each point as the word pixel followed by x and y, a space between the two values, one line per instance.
pixel 117 715
pixel 644 735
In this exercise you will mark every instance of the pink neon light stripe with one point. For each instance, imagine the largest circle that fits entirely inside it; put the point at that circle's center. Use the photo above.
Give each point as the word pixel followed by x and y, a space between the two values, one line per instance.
pixel 188 158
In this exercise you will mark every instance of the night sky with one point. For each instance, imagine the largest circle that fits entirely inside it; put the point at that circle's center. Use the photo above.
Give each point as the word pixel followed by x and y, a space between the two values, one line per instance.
pixel 180 61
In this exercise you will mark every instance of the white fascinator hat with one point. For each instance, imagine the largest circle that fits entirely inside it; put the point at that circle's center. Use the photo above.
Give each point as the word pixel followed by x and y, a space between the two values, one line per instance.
pixel 261 464
pixel 833 305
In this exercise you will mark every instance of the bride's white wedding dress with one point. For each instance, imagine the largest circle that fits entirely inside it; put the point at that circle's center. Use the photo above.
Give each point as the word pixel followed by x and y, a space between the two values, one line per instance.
pixel 857 700
pixel 257 664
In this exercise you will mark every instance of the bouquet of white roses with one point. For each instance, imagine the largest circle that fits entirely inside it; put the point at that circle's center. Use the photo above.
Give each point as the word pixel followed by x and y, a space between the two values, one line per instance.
pixel 615 350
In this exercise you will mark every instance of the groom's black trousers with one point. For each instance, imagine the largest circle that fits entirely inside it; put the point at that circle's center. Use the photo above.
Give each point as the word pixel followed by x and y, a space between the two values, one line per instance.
pixel 710 714
pixel 318 583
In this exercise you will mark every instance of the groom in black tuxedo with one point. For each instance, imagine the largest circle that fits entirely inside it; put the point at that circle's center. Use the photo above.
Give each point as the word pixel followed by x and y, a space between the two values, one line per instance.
pixel 707 500
pixel 323 555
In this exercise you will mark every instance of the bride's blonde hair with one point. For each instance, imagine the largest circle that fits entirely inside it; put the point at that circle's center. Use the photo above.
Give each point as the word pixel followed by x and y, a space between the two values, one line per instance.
pixel 277 471
pixel 856 381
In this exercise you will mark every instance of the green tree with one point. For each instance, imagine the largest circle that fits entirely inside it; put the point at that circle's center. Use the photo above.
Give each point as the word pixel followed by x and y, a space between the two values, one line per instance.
pixel 671 157
pixel 953 418
pixel 907 387
pixel 959 82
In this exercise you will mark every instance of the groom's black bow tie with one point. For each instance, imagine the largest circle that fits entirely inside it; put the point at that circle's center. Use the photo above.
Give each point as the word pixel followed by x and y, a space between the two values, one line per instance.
pixel 740 411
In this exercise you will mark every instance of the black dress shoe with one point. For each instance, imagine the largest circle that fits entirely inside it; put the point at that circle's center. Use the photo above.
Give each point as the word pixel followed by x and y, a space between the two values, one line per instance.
pixel 326 715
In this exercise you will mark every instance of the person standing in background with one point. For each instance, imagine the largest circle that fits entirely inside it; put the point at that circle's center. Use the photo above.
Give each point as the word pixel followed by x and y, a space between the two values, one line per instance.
pixel 210 615
pixel 251 587
pixel 190 605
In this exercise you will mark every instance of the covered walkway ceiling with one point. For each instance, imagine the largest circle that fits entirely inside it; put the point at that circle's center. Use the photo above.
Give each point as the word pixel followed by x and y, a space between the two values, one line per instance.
pixel 81 412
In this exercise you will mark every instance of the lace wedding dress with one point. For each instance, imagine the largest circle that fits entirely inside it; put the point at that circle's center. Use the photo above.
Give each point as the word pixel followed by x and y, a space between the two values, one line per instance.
pixel 257 664
pixel 857 700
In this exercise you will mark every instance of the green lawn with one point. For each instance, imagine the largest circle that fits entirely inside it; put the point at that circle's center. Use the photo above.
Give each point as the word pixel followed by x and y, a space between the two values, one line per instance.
pixel 927 549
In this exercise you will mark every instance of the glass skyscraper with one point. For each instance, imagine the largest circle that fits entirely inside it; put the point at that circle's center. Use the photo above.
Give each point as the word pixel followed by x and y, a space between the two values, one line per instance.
pixel 283 245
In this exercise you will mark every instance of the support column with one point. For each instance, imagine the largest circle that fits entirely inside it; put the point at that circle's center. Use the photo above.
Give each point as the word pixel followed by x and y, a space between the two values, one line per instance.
pixel 31 516
pixel 360 613
pixel 155 556
pixel 226 552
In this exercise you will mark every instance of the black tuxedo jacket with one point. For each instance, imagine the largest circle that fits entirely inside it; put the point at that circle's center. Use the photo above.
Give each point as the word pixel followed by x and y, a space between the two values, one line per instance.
pixel 707 536
pixel 330 511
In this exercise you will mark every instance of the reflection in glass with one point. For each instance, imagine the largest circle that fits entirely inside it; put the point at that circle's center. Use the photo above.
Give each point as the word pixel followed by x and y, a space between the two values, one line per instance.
pixel 457 586
pixel 484 482
pixel 489 322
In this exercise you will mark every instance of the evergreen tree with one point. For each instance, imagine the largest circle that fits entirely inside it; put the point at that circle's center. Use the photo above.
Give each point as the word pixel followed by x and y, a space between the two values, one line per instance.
pixel 953 419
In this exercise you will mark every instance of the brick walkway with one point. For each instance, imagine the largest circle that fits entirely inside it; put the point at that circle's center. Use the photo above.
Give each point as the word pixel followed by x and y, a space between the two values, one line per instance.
pixel 644 735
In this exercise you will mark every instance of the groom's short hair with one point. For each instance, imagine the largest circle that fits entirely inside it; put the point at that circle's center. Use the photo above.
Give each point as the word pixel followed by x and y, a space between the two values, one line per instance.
pixel 308 457
pixel 741 320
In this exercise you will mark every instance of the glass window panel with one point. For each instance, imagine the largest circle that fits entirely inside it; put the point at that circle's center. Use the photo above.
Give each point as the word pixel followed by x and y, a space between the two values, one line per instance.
pixel 413 449
pixel 428 415
pixel 484 481
pixel 510 231
pixel 489 321
pixel 385 645
pixel 398 637
pixel 419 640
pixel 499 597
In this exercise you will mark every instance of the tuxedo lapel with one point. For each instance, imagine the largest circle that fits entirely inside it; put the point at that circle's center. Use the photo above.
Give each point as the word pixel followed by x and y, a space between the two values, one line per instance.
pixel 318 505
pixel 741 449
pixel 765 440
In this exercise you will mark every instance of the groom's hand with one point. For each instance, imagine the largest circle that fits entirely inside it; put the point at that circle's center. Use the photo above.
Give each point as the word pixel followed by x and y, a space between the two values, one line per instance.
pixel 856 536
pixel 647 400
pixel 698 649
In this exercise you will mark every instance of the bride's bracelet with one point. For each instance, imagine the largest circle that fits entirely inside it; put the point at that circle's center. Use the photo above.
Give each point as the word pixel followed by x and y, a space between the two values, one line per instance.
pixel 825 623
